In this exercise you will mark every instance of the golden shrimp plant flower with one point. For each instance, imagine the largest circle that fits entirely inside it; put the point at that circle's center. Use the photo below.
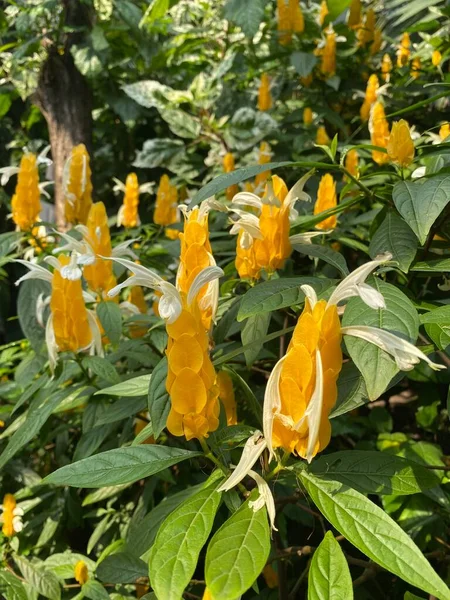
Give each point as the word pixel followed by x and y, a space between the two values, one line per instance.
pixel 264 156
pixel 400 147
pixel 166 207
pixel 352 162
pixel 370 97
pixel 379 132
pixel 366 32
pixel 128 214
pixel 11 517
pixel 326 198
pixel 264 95
pixel 404 50
pixel 323 13
pixel 386 67
pixel 289 20
pixel 416 65
pixel 307 116
pixel 77 185
pixel 191 380
pixel 444 131
pixel 227 397
pixel 70 326
pixel 81 574
pixel 436 58
pixel 322 138
pixel 327 52
pixel 228 167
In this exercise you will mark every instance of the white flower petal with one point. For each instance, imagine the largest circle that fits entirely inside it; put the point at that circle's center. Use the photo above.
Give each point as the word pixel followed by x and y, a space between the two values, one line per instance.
pixel 72 271
pixel 310 293
pixel 17 524
pixel 305 238
pixel 170 304
pixel 41 303
pixel 405 354
pixel 272 403
pixel 265 497
pixel 370 296
pixel 87 297
pixel 152 278
pixel 246 199
pixel 296 191
pixel 205 276
pixel 96 333
pixel 123 249
pixel 254 447
pixel 50 342
pixel 35 272
pixel 7 172
pixel 129 307
pixel 120 216
pixel 314 410
pixel 18 511
pixel 53 262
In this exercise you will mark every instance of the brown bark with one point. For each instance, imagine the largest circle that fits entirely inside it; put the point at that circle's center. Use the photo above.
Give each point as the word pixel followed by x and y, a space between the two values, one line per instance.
pixel 65 100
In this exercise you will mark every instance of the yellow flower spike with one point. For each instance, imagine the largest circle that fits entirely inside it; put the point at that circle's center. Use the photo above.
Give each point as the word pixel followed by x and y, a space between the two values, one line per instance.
pixel 191 380
pixel 415 67
pixel 296 16
pixel 11 517
pixel 78 186
pixel 436 58
pixel 386 67
pixel 264 95
pixel 444 131
pixel 323 12
pixel 370 98
pixel 328 53
pixel 226 395
pixel 228 167
pixel 25 203
pixel 326 198
pixel 404 52
pixel 69 314
pixel 352 162
pixel 379 132
pixel 400 147
pixel 81 572
pixel 166 207
pixel 264 157
pixel 354 15
pixel 270 576
pixel 284 22
pixel 128 214
pixel 137 298
pixel 366 32
pixel 246 264
pixel 171 233
pixel 307 116
pixel 377 41
pixel 322 137
pixel 99 275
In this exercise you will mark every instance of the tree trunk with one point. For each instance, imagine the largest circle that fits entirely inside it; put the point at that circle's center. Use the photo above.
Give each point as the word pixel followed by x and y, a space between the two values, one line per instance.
pixel 66 102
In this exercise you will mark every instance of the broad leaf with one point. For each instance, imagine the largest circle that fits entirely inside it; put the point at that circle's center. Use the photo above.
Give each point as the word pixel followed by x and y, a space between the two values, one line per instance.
pixel 101 367
pixel 437 326
pixel 421 202
pixel 121 567
pixel 324 253
pixel 303 63
pixel 122 465
pixel 399 317
pixel 94 590
pixel 158 398
pixel 180 538
pixel 111 320
pixel 329 576
pixel 246 15
pixel 254 330
pixel 373 472
pixel 121 409
pixel 237 553
pixel 396 237
pixel 373 532
pixel 44 582
pixel 29 292
pixel 336 7
pixel 11 588
pixel 441 265
pixel 351 390
pixel 137 386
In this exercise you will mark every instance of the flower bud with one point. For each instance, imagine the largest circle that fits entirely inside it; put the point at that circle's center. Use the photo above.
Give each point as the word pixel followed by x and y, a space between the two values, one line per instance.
pixel 400 146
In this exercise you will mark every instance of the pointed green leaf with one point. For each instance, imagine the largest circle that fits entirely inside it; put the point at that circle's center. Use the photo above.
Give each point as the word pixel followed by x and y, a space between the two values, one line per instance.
pixel 395 236
pixel 158 398
pixel 11 588
pixel 329 576
pixel 254 330
pixel 136 386
pixel 111 320
pixel 324 253
pixel 42 581
pixel 121 567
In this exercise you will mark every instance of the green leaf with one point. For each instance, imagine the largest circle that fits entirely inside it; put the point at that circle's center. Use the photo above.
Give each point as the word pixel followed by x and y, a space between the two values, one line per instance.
pixel 174 555
pixel 101 367
pixel 111 320
pixel 122 465
pixel 121 567
pixel 136 386
pixel 278 293
pixel 351 390
pixel 11 587
pixel 122 409
pixel 246 15
pixel 42 581
pixel 157 10
pixel 181 123
pixel 441 265
pixel 336 7
pixel 437 326
pixel 158 398
pixel 5 104
pixel 373 532
pixel 254 330
pixel 329 576
pixel 372 472
pixel 303 63
pixel 143 435
pixel 157 152
pixel 324 253
pixel 396 237
pixel 237 552
pixel 247 394
pixel 421 202
pixel 29 292
pixel 103 493
pixel 94 590
pixel 90 441
pixel 399 317
pixel 221 182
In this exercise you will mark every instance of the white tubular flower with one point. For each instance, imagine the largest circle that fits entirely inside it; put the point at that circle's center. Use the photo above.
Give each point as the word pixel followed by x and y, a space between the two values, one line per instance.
pixel 272 404
pixel 84 252
pixel 71 271
pixel 123 249
pixel 7 173
pixel 246 199
pixel 119 185
pixel 50 342
pixel 96 346
pixel 41 304
pixel 205 277
pixel 310 293
pixel 296 192
pixel 353 285
pixel 306 238
pixel 265 498
pixel 35 272
pixel 405 354
pixel 254 447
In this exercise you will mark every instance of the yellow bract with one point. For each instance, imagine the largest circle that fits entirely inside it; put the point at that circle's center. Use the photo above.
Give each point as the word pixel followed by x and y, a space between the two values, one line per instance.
pixel 436 58
pixel 99 276
pixel 444 131
pixel 323 11
pixel 191 379
pixel 379 132
pixel 264 95
pixel 228 167
pixel 79 187
pixel 70 318
pixel 321 136
pixel 264 158
pixel 226 395
pixel 400 147
pixel 130 216
pixel 317 329
pixel 386 67
pixel 328 53
pixel 354 15
pixel 137 298
pixel 166 208
pixel 25 203
pixel 81 572
pixel 351 162
pixel 290 19
pixel 370 98
pixel 415 67
pixel 377 41
pixel 9 504
pixel 307 116
pixel 326 198
pixel 366 32
pixel 404 51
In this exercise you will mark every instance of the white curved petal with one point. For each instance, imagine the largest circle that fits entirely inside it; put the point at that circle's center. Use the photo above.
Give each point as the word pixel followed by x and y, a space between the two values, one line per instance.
pixel 310 293
pixel 96 333
pixel 123 249
pixel 265 497
pixel 53 262
pixel 129 307
pixel 41 303
pixel 296 192
pixel 35 272
pixel 305 238
pixel 270 197
pixel 8 172
pixel 42 158
pixel 370 296
pixel 254 447
pixel 205 276
pixel 72 271
pixel 405 354
pixel 120 212
pixel 272 403
pixel 50 342
pixel 314 410
pixel 207 205
pixel 152 278
pixel 246 199
pixel 18 511
pixel 87 297
pixel 170 304
pixel 17 524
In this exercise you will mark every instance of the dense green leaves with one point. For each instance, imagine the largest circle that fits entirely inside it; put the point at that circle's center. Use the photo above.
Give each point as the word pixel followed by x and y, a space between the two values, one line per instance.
pixel 122 567
pixel 396 237
pixel 122 465
pixel 373 532
pixel 11 586
pixel 180 538
pixel 237 553
pixel 247 15
pixel 351 390
pixel 29 292
pixel 329 577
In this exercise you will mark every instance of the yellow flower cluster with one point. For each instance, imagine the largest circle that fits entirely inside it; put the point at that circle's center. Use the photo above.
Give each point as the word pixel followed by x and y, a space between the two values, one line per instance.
pixel 404 52
pixel 137 298
pixel 307 116
pixel 354 14
pixel 327 53
pixel 370 98
pixel 400 147
pixel 25 203
pixel 326 198
pixel 321 136
pixel 323 12
pixel 228 167
pixel 129 216
pixel 379 132
pixel 352 162
pixel 264 158
pixel 99 275
pixel 166 207
pixel 11 516
pixel 386 67
pixel 78 186
pixel 264 96
pixel 290 20
pixel 366 31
